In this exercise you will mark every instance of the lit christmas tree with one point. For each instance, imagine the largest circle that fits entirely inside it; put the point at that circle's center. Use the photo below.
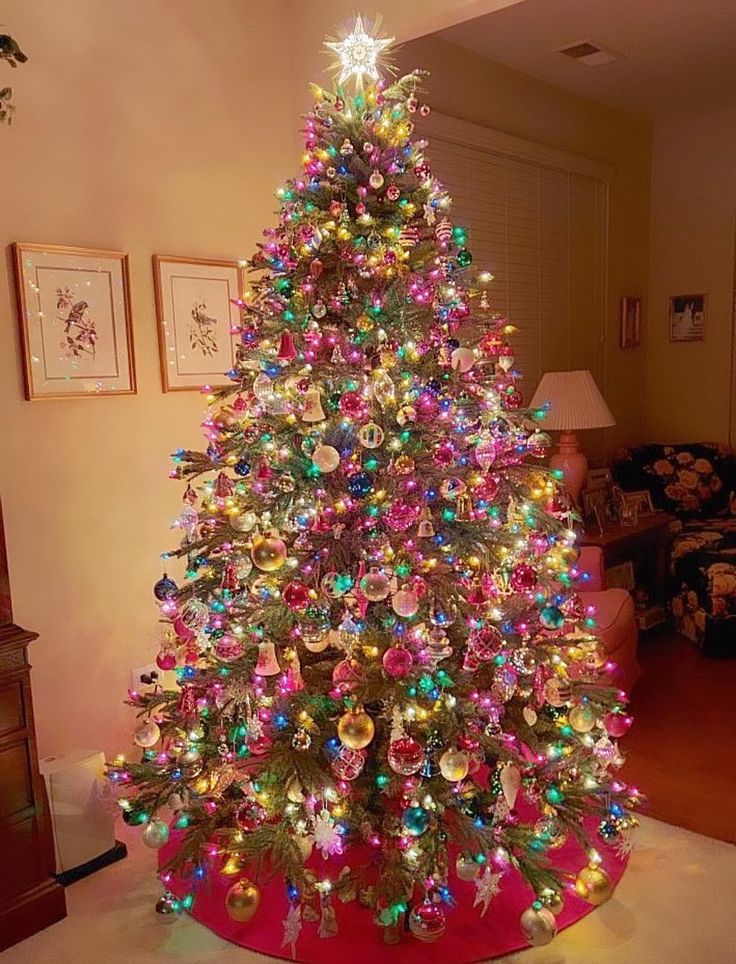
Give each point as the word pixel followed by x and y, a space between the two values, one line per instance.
pixel 379 649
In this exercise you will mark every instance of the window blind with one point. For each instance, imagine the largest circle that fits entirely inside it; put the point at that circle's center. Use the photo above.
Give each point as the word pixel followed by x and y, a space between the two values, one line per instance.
pixel 539 224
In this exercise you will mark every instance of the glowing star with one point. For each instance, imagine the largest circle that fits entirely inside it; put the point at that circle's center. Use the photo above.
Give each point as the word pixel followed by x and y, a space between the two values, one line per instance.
pixel 359 53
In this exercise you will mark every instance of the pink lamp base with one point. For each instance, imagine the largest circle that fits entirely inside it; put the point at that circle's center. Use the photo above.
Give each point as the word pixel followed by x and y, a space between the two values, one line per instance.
pixel 573 464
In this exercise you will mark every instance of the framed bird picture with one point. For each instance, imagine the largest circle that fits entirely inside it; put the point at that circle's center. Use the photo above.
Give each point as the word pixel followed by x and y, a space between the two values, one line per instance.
pixel 198 320
pixel 75 324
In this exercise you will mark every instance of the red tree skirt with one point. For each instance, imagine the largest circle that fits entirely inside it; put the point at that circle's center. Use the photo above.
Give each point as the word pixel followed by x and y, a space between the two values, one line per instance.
pixel 469 937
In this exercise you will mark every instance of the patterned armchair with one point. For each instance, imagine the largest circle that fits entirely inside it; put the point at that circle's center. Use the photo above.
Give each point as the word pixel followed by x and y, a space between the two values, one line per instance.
pixel 696 482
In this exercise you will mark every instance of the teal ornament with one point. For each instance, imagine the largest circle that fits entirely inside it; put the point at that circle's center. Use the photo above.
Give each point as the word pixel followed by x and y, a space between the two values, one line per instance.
pixel 415 820
pixel 551 617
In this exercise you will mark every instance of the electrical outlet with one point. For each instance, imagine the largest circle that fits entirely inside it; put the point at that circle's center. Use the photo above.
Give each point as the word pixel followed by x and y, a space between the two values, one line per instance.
pixel 137 674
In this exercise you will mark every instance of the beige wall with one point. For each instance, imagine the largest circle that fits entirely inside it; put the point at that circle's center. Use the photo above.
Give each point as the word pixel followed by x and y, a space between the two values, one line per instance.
pixel 149 126
pixel 692 250
pixel 465 85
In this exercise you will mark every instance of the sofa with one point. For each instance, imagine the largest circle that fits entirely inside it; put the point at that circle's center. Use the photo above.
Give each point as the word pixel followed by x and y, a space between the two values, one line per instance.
pixel 695 482
pixel 616 625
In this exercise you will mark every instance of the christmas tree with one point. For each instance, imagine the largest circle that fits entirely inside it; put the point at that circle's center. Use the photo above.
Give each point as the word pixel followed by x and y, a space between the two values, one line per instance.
pixel 379 648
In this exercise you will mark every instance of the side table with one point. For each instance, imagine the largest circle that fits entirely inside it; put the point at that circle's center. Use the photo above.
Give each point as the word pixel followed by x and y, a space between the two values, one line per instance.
pixel 647 547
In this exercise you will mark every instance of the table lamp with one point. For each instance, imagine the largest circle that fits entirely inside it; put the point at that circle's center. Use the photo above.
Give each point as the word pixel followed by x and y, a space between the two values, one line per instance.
pixel 574 404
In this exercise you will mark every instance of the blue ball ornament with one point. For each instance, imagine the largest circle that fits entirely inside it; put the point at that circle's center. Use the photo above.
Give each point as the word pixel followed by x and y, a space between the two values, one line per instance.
pixel 165 588
pixel 415 820
pixel 242 468
pixel 360 485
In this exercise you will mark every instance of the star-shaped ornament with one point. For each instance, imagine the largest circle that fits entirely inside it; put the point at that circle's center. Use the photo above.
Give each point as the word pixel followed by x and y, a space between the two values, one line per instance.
pixel 486 888
pixel 359 54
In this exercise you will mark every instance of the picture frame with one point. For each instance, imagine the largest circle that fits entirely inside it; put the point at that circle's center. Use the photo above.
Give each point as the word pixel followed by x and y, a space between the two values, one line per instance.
pixel 686 318
pixel 597 500
pixel 621 576
pixel 75 321
pixel 639 499
pixel 630 321
pixel 196 319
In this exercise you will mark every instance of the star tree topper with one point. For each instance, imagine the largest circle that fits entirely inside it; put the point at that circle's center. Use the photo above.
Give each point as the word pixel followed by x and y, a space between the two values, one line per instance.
pixel 358 54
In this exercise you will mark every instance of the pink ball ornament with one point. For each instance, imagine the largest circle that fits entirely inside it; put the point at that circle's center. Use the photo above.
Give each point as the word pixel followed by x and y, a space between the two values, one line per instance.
pixel 353 405
pixel 401 515
pixel 397 662
pixel 617 724
pixel 405 603
pixel 485 643
pixel 427 922
pixel 166 660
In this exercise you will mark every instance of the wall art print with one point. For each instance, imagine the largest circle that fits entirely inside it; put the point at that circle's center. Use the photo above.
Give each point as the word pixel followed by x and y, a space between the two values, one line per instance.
pixel 75 324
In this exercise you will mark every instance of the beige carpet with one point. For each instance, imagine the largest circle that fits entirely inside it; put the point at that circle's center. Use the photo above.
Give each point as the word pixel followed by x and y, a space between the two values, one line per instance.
pixel 674 905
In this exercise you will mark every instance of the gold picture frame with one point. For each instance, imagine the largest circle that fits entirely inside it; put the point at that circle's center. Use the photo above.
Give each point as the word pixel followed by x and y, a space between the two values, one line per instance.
pixel 196 319
pixel 75 321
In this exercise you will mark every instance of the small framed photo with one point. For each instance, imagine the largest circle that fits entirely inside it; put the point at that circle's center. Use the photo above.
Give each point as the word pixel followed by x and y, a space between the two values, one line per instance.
pixel 197 320
pixel 630 321
pixel 640 500
pixel 75 325
pixel 687 318
pixel 621 576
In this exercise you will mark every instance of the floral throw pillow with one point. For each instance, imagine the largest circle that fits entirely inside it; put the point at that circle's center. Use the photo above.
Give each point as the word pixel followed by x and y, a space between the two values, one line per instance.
pixel 689 479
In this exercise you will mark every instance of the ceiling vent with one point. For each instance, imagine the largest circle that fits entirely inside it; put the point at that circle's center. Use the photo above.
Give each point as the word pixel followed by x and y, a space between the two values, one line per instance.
pixel 589 53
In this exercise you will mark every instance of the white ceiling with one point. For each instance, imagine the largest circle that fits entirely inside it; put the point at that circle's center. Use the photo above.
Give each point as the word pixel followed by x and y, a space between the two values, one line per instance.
pixel 674 54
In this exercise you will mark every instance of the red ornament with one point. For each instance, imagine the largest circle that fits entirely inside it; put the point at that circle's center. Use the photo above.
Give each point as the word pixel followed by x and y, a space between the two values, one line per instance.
pixel 296 596
pixel 405 756
pixel 617 724
pixel 166 659
pixel 427 922
pixel 397 662
pixel 523 578
pixel 347 764
pixel 485 643
pixel 287 350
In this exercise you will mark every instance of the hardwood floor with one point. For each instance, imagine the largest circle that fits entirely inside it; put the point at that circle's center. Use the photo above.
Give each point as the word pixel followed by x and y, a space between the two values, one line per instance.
pixel 681 750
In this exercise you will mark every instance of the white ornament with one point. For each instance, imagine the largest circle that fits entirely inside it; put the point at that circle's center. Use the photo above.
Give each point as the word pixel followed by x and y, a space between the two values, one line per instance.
pixel 326 835
pixel 486 888
pixel 292 927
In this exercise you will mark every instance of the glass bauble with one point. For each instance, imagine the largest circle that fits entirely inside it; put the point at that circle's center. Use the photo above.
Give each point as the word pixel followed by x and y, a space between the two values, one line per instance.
pixel 466 867
pixel 165 588
pixel 375 585
pixel 523 578
pixel 427 922
pixel 326 458
pixel 166 659
pixel 336 584
pixel 268 554
pixel 397 662
pixel 405 756
pixel 242 900
pixel 582 718
pixel 371 435
pixel 551 832
pixel 617 724
pixel 155 833
pixel 167 909
pixel 415 820
pixel 147 734
pixel 454 765
pixel 360 485
pixel 538 926
pixel 405 603
pixel 355 729
pixel 347 673
pixel 594 885
pixel 347 764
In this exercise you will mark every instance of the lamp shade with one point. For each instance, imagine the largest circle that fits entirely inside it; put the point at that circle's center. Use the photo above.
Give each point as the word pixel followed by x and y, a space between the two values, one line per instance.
pixel 574 401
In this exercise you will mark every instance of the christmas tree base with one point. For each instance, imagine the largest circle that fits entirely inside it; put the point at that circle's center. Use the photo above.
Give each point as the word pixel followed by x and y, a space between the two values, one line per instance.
pixel 469 937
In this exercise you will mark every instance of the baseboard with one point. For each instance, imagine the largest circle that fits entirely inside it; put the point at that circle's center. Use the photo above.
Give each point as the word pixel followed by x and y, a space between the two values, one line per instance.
pixel 110 856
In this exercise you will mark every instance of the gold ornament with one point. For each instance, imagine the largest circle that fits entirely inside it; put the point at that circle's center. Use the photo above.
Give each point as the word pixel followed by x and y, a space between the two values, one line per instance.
pixel 268 554
pixel 538 926
pixel 317 645
pixel 454 765
pixel 326 458
pixel 242 900
pixel 594 885
pixel 294 791
pixel 355 729
pixel 582 718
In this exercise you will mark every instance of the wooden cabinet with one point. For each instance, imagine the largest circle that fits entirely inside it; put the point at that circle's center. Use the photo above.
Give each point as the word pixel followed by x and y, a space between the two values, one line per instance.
pixel 30 897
